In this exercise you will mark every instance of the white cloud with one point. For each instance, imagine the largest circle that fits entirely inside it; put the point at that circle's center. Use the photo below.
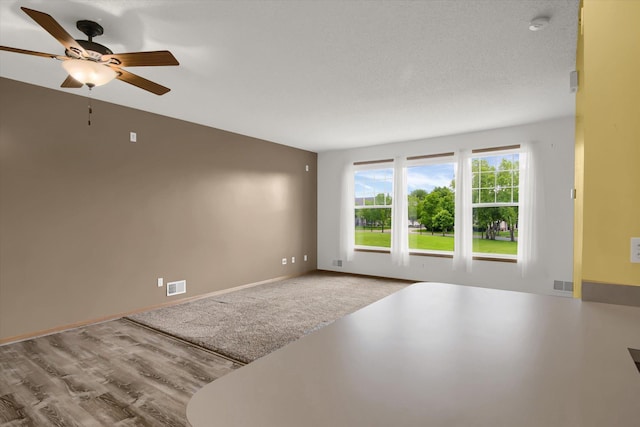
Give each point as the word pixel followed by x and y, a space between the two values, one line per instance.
pixel 429 176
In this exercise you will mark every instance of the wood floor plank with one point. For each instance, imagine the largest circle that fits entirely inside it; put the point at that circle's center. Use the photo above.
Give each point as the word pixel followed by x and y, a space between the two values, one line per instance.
pixel 10 410
pixel 110 374
pixel 108 409
pixel 57 416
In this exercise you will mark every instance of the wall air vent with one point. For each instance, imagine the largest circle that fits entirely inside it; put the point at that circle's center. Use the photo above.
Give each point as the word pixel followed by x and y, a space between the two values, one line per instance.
pixel 175 288
pixel 559 285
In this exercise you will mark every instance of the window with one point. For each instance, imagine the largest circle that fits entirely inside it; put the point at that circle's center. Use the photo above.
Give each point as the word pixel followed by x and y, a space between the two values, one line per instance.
pixel 495 203
pixel 373 189
pixel 431 203
pixel 465 206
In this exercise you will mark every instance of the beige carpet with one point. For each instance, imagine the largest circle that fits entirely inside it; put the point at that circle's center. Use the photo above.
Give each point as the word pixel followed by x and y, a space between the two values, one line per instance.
pixel 250 323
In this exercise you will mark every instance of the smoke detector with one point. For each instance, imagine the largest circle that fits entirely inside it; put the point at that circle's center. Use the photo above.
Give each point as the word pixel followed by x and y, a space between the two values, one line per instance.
pixel 538 23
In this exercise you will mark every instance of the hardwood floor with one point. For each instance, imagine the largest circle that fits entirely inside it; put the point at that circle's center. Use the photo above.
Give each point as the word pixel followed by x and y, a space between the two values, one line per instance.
pixel 116 373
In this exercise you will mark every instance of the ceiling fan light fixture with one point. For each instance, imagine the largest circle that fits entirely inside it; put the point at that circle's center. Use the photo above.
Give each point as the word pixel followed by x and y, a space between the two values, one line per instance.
pixel 88 72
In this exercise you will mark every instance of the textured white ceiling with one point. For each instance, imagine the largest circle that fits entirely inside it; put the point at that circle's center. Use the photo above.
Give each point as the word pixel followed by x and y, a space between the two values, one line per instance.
pixel 322 75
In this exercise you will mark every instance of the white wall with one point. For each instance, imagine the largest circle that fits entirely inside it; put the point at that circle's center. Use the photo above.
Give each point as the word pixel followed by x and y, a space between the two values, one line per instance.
pixel 554 139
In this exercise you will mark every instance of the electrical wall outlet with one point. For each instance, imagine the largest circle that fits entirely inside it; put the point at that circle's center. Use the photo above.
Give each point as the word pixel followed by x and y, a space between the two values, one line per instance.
pixel 133 137
pixel 160 282
pixel 284 261
pixel 305 257
pixel 293 260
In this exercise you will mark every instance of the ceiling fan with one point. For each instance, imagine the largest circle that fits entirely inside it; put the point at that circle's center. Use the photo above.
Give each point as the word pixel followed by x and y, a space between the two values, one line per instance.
pixel 92 64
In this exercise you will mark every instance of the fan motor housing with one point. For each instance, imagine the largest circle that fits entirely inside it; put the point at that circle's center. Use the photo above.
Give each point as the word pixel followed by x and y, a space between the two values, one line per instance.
pixel 95 50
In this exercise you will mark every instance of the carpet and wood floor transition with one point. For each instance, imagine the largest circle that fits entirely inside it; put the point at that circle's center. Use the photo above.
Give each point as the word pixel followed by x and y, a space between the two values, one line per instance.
pixel 110 374
pixel 121 373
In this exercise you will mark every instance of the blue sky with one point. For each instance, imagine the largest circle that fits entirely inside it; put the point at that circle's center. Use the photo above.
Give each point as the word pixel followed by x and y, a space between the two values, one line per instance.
pixel 369 183
pixel 428 177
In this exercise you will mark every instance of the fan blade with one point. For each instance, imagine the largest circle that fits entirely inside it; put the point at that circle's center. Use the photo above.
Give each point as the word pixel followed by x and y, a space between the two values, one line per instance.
pixel 141 82
pixel 70 82
pixel 52 27
pixel 141 59
pixel 34 53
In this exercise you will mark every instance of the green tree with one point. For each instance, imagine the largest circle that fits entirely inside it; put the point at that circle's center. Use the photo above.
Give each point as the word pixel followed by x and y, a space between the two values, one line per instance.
pixel 383 218
pixel 383 215
pixel 438 199
pixel 509 214
pixel 506 181
pixel 443 220
pixel 367 215
pixel 483 181
pixel 374 215
pixel 383 199
pixel 427 210
pixel 487 220
pixel 414 199
pixel 412 208
pixel 420 194
pixel 446 199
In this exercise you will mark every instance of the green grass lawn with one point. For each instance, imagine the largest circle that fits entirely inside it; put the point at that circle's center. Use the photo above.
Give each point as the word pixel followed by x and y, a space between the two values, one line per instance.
pixel 373 238
pixel 504 247
pixel 435 242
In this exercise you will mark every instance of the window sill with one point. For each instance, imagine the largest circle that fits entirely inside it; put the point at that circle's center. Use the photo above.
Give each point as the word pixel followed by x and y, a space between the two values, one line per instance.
pixel 494 258
pixel 373 250
pixel 432 254
pixel 476 257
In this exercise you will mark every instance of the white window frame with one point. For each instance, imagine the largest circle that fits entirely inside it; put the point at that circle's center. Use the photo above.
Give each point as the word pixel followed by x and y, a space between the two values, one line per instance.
pixel 374 165
pixel 432 159
pixel 490 152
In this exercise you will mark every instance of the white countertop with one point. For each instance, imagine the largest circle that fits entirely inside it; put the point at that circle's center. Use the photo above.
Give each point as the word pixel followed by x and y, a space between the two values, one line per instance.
pixel 436 354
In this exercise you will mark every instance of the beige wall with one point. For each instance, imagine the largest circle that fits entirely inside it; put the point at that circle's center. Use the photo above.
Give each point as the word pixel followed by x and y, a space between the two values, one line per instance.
pixel 89 221
pixel 608 143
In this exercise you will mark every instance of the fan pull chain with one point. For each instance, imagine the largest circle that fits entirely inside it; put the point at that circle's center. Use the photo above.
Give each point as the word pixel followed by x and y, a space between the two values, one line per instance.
pixel 90 109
